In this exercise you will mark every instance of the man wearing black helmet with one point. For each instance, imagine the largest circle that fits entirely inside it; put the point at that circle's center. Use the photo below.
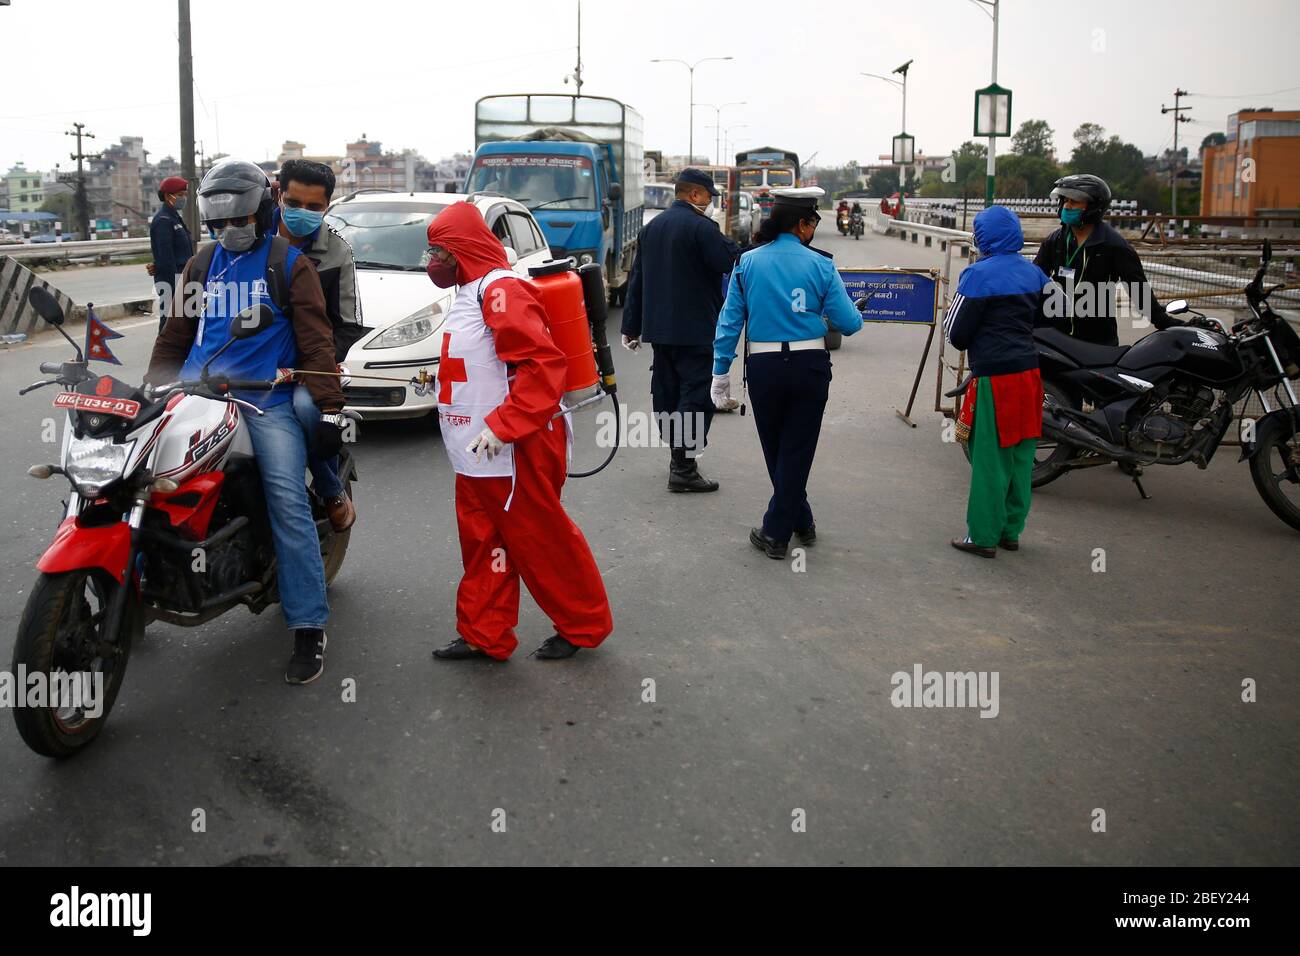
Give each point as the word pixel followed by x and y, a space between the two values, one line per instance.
pixel 1087 260
pixel 250 265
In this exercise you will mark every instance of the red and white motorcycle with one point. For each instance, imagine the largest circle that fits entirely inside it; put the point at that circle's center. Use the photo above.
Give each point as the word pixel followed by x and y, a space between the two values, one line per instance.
pixel 166 520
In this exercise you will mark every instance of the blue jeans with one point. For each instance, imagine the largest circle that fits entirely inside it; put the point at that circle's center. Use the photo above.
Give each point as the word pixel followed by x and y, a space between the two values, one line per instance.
pixel 281 453
pixel 324 472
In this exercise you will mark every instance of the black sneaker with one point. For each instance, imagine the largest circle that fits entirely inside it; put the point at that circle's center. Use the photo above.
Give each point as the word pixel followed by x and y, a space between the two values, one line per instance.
pixel 555 648
pixel 308 661
pixel 773 549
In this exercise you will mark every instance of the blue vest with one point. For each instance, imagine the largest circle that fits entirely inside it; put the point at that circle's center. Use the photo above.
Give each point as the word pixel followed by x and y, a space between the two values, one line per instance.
pixel 235 282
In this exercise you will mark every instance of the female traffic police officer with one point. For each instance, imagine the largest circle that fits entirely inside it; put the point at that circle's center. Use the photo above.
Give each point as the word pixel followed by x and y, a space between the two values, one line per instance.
pixel 779 293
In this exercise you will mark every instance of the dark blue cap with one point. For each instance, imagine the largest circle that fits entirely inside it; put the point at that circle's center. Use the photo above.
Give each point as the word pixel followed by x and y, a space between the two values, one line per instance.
pixel 695 177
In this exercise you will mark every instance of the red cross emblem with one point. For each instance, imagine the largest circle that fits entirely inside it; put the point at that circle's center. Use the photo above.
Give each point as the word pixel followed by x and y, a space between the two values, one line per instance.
pixel 449 370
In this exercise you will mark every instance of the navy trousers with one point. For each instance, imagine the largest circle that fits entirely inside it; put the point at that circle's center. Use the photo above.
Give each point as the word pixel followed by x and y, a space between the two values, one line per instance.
pixel 788 391
pixel 680 379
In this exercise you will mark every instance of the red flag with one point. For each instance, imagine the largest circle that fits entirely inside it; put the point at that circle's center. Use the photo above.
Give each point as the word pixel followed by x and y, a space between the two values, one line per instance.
pixel 97 336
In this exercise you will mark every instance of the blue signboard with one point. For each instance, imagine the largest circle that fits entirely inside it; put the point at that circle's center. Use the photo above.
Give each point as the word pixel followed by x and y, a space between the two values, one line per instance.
pixel 897 295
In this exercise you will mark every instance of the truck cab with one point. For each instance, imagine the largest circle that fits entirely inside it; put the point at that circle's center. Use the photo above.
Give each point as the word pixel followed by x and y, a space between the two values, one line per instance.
pixel 576 164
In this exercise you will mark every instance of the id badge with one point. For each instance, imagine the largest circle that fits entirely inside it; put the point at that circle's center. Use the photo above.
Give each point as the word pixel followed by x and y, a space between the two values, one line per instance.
pixel 1065 274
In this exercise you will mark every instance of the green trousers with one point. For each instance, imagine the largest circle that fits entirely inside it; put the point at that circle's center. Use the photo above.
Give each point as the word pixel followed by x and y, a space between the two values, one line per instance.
pixel 1000 478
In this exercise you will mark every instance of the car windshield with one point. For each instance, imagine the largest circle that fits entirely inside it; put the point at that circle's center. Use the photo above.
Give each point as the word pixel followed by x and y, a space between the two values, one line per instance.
pixel 538 180
pixel 386 235
pixel 658 197
pixel 780 177
pixel 750 178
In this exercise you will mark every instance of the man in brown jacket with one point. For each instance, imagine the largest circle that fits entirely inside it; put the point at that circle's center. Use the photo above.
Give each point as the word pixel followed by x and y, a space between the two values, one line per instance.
pixel 248 265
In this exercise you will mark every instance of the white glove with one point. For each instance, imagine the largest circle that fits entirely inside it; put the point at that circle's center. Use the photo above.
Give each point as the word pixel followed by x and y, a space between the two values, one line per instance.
pixel 486 442
pixel 631 344
pixel 720 391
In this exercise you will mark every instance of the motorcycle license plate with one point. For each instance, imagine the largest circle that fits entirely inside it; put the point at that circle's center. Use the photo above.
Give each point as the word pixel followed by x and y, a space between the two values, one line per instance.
pixel 121 407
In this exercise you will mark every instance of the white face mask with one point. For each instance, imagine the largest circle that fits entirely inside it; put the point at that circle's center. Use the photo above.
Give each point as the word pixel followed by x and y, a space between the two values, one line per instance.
pixel 703 210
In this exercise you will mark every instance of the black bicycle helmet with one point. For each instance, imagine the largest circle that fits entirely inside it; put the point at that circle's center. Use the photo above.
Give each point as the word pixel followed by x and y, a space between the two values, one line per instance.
pixel 1086 187
pixel 236 187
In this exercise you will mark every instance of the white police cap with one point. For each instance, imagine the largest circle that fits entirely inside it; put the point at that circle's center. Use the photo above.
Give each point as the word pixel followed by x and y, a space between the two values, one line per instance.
pixel 803 197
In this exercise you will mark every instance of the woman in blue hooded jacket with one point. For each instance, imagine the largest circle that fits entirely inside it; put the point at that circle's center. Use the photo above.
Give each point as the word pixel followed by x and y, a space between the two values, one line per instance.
pixel 991 318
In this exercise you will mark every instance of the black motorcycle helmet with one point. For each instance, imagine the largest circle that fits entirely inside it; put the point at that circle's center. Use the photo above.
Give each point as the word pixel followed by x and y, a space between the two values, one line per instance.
pixel 1086 187
pixel 236 187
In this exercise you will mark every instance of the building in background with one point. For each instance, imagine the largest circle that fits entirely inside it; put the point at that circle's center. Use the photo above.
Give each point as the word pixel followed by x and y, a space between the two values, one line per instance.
pixel 1257 169
pixel 26 189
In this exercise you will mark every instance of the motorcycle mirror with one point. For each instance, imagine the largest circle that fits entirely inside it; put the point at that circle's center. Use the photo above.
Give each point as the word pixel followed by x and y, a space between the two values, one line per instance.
pixel 252 321
pixel 615 192
pixel 1177 307
pixel 1268 252
pixel 45 305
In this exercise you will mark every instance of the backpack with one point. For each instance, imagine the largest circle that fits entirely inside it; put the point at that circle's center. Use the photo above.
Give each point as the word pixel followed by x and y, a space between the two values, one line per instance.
pixel 277 272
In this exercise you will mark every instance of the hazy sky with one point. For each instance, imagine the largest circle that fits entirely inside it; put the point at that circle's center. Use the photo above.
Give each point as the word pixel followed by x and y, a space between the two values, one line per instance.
pixel 407 73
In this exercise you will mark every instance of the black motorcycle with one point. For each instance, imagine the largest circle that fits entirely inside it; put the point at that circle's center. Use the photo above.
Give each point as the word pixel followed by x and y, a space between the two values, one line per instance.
pixel 1168 399
pixel 857 224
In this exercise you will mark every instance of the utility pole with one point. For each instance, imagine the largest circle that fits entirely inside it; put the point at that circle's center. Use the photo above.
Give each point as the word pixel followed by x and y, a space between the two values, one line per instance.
pixel 991 172
pixel 81 201
pixel 191 211
pixel 1178 112
pixel 576 75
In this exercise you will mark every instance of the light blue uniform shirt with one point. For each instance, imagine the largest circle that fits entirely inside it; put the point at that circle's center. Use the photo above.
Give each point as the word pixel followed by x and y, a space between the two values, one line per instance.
pixel 783 288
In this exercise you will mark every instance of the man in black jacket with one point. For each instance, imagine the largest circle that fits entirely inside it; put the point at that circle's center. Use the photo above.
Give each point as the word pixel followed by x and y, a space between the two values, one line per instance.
pixel 1087 259
pixel 674 295
pixel 170 243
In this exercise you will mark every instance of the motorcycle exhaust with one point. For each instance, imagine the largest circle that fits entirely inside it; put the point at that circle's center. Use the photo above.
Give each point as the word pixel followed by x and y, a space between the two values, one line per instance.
pixel 1072 433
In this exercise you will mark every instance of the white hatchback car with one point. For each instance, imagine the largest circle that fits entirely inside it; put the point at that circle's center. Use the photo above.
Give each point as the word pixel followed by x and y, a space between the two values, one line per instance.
pixel 400 306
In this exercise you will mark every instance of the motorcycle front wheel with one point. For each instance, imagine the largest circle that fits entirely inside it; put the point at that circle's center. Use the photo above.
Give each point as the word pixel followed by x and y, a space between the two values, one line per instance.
pixel 1275 470
pixel 61 635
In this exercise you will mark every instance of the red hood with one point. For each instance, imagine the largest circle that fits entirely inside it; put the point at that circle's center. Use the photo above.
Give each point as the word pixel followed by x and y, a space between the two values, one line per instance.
pixel 460 230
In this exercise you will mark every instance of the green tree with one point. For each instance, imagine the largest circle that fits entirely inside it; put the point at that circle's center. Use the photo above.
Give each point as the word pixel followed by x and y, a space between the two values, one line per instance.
pixel 1026 176
pixel 1121 164
pixel 1034 138
pixel 1213 139
pixel 882 182
pixel 63 205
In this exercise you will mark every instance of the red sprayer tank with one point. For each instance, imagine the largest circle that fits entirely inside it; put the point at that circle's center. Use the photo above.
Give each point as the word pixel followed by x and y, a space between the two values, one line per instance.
pixel 560 289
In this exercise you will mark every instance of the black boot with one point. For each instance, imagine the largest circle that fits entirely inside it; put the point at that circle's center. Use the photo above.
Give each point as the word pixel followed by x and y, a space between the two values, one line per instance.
pixel 772 548
pixel 684 474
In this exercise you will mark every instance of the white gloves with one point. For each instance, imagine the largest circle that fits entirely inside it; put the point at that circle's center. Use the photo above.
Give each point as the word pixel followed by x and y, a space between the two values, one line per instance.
pixel 720 392
pixel 485 442
pixel 631 344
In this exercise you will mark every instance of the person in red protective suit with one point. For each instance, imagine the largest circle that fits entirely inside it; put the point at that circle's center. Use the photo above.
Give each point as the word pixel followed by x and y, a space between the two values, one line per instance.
pixel 500 380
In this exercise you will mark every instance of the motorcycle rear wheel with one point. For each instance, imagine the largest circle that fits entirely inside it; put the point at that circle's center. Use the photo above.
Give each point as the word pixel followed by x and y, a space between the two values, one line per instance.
pixel 65 614
pixel 1277 460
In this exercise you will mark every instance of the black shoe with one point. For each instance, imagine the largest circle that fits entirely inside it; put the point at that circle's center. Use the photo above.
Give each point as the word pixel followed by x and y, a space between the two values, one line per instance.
pixel 688 478
pixel 459 650
pixel 555 648
pixel 808 535
pixel 1006 544
pixel 773 549
pixel 970 547
pixel 308 661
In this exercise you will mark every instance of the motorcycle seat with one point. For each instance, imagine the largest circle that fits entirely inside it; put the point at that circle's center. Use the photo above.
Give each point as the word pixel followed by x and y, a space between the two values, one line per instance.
pixel 1086 354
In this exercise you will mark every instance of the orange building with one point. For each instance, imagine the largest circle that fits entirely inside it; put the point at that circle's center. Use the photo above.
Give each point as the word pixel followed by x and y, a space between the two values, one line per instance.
pixel 1257 168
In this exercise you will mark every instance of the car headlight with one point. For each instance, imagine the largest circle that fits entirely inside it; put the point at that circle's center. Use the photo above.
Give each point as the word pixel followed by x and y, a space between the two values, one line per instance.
pixel 584 256
pixel 412 329
pixel 93 463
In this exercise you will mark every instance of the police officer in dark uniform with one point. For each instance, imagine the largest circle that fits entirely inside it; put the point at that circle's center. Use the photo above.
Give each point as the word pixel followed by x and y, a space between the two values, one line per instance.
pixel 778 295
pixel 673 296
pixel 169 241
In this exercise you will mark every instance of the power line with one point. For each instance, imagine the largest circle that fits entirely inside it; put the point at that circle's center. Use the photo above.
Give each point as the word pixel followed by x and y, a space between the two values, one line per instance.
pixel 1242 96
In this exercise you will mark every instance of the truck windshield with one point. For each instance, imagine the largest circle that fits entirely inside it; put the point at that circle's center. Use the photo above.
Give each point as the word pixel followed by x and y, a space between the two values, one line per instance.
pixel 386 235
pixel 749 178
pixel 780 177
pixel 538 180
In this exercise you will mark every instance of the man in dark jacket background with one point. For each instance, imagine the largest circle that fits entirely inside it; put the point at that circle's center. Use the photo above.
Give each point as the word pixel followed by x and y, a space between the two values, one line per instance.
pixel 1086 258
pixel 674 294
pixel 169 242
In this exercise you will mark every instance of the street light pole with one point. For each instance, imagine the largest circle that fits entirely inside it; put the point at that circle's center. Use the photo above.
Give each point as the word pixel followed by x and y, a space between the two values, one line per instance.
pixel 690 149
pixel 187 118
pixel 991 169
pixel 902 167
pixel 717 127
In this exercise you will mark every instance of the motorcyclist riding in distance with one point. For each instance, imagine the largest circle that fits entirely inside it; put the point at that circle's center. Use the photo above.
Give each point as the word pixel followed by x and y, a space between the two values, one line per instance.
pixel 235 204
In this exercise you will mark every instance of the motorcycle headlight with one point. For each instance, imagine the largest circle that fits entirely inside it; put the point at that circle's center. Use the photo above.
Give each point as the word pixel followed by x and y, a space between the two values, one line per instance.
pixel 412 329
pixel 93 463
pixel 584 256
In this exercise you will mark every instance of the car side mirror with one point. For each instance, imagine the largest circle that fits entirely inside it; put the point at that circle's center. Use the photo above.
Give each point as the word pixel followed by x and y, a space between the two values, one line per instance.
pixel 1177 307
pixel 615 192
pixel 45 305
pixel 252 321
pixel 512 257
